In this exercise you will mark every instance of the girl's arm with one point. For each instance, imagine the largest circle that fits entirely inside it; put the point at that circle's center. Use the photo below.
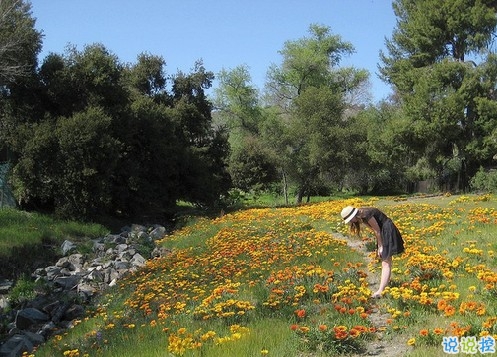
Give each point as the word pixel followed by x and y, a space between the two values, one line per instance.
pixel 377 232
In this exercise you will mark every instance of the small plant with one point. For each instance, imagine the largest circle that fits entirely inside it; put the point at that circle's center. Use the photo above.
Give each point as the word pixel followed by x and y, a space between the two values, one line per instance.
pixel 23 291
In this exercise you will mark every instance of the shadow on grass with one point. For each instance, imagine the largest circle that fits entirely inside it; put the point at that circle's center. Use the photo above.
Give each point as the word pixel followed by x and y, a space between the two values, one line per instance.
pixel 27 258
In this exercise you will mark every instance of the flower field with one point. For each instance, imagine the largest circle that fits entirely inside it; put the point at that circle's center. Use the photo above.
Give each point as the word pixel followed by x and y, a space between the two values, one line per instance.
pixel 285 282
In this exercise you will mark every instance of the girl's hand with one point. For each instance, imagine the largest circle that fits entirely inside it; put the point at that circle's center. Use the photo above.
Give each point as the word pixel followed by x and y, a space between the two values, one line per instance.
pixel 380 250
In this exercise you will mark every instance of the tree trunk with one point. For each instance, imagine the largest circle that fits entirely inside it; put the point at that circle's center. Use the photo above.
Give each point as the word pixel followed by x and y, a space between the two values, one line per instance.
pixel 300 194
pixel 285 188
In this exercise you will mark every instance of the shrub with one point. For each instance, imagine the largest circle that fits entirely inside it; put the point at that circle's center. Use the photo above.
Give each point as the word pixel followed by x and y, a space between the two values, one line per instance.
pixel 484 180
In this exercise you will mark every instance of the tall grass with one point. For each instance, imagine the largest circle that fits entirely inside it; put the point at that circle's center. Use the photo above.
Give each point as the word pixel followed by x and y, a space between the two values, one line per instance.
pixel 19 228
pixel 283 282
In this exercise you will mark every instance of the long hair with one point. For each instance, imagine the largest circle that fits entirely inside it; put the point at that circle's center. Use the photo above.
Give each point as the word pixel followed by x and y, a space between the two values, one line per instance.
pixel 355 227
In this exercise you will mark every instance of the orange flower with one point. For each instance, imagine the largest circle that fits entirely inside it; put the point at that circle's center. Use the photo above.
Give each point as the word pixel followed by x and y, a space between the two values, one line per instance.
pixel 424 332
pixel 361 328
pixel 294 327
pixel 300 313
pixel 449 310
pixel 340 328
pixel 354 333
pixel 442 304
pixel 323 327
pixel 481 311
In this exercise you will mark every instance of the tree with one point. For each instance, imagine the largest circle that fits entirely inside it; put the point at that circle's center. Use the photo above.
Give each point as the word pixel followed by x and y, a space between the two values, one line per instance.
pixel 110 139
pixel 309 91
pixel 67 148
pixel 203 167
pixel 237 103
pixel 148 76
pixel 238 108
pixel 385 150
pixel 441 93
pixel 86 158
pixel 251 166
pixel 20 43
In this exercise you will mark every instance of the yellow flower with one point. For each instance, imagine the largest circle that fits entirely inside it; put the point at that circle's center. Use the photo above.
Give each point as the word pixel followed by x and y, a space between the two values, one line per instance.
pixel 411 341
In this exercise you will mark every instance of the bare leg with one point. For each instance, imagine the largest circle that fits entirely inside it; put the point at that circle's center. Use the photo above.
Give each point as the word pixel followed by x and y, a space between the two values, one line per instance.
pixel 386 271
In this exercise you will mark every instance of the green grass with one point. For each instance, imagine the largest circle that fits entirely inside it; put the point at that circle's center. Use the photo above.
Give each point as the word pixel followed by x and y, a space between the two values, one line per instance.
pixel 36 238
pixel 19 228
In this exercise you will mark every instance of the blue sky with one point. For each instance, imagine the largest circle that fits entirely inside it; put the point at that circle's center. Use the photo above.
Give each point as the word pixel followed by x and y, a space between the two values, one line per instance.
pixel 222 33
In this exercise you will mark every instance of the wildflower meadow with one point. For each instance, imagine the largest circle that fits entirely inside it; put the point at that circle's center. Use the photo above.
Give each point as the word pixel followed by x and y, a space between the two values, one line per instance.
pixel 293 282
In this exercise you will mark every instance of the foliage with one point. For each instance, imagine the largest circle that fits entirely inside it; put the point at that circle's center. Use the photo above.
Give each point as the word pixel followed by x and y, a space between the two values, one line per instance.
pixel 23 291
pixel 484 181
pixel 106 139
pixel 250 166
pixel 20 42
pixel 446 99
pixel 308 92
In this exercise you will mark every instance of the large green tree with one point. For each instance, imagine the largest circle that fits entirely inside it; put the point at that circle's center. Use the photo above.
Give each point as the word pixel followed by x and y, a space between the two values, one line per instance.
pixel 439 64
pixel 310 89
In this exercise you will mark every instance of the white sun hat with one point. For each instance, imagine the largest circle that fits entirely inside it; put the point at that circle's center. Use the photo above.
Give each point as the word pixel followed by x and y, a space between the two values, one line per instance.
pixel 348 213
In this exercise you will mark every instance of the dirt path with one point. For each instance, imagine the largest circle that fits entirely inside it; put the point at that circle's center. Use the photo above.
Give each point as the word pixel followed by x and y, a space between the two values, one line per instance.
pixel 381 346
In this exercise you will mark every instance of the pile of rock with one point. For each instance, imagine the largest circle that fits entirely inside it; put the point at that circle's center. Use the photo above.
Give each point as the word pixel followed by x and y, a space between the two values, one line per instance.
pixel 71 283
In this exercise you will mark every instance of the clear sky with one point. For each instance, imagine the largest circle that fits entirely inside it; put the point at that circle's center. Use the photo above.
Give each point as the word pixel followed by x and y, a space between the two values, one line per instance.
pixel 222 33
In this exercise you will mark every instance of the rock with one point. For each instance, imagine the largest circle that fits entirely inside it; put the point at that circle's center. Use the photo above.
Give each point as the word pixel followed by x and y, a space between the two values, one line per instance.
pixel 28 317
pixel 74 312
pixel 36 339
pixel 67 246
pixel 5 286
pixel 159 252
pixel 67 282
pixel 4 302
pixel 15 346
pixel 138 260
pixel 158 233
pixel 86 290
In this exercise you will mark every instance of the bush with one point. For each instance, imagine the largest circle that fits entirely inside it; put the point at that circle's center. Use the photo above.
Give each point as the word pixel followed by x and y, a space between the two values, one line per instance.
pixel 484 180
pixel 23 291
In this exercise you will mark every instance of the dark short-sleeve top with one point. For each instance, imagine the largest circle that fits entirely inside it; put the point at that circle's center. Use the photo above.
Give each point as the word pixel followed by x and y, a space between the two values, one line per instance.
pixel 390 235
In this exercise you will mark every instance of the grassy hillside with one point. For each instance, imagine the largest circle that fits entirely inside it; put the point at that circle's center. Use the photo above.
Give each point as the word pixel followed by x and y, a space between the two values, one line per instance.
pixel 285 282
